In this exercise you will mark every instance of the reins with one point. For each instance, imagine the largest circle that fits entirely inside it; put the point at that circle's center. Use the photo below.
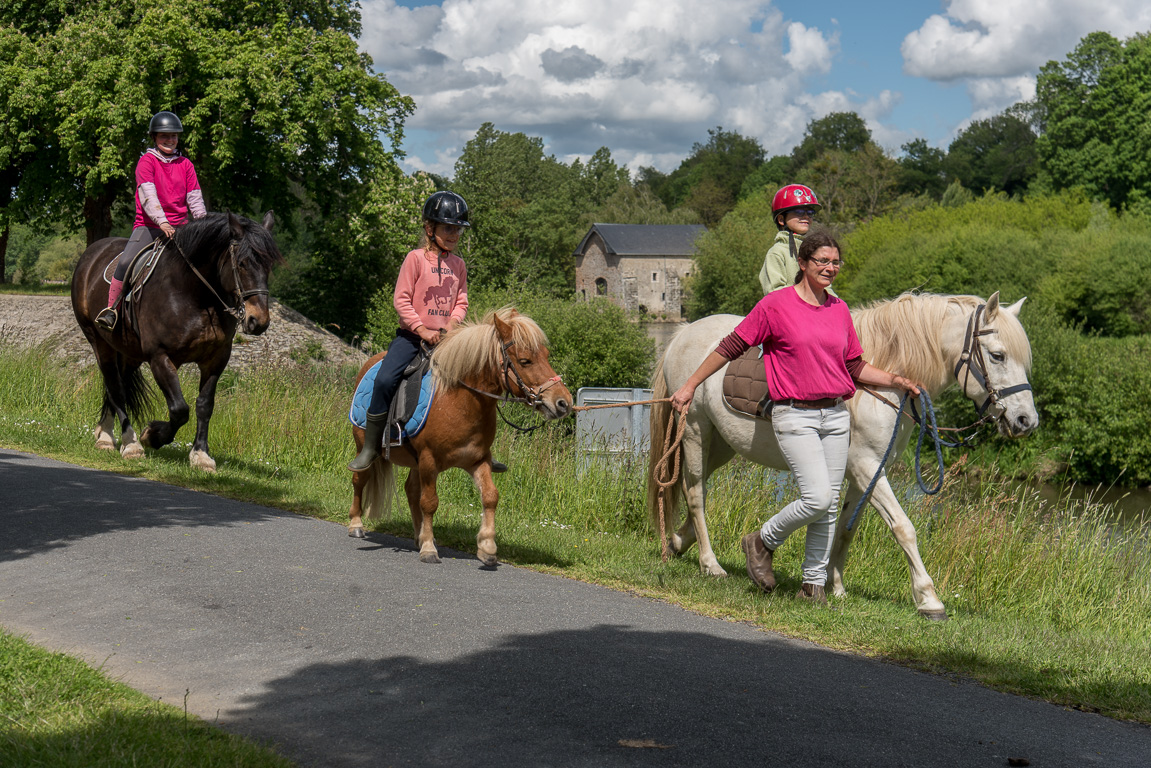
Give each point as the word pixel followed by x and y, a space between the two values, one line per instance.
pixel 929 412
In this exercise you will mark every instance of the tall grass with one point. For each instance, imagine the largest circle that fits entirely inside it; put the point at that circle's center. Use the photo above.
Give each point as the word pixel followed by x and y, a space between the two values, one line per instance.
pixel 1047 599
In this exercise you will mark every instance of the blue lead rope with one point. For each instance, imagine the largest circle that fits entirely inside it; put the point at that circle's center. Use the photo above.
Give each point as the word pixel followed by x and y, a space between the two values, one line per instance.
pixel 929 413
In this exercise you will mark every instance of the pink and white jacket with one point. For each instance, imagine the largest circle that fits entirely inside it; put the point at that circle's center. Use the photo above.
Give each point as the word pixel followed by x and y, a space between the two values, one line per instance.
pixel 167 190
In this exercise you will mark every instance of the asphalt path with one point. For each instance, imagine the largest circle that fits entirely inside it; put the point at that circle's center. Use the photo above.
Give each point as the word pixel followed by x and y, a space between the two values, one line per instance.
pixel 346 652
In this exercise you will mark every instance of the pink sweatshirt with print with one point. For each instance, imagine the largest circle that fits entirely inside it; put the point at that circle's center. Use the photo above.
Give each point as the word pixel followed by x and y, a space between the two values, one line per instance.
pixel 431 290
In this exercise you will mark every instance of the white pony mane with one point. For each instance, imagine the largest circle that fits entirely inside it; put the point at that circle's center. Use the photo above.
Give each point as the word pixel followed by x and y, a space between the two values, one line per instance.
pixel 885 329
pixel 475 347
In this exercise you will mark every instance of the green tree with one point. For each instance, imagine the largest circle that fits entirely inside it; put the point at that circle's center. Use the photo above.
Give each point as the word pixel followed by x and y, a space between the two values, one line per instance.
pixel 637 204
pixel 844 131
pixel 527 208
pixel 24 96
pixel 280 111
pixel 710 179
pixel 1092 113
pixel 921 170
pixel 997 153
pixel 769 177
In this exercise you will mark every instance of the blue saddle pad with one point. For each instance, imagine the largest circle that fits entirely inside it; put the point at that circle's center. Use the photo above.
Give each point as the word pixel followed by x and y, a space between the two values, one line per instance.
pixel 358 413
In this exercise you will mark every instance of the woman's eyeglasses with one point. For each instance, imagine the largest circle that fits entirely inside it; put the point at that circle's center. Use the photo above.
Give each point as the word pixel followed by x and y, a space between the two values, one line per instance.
pixel 837 263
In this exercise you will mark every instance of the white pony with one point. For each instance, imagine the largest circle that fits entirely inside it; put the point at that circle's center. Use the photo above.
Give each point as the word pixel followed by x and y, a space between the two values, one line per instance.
pixel 933 339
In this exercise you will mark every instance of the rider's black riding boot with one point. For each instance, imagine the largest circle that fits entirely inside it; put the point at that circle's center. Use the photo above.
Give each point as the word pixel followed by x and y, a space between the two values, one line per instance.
pixel 107 319
pixel 373 438
pixel 499 466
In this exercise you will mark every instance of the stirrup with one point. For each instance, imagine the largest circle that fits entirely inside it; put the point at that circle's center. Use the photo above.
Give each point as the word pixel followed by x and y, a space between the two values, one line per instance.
pixel 107 318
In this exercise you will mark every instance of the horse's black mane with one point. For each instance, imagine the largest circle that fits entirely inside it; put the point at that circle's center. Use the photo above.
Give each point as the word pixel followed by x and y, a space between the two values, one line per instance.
pixel 205 241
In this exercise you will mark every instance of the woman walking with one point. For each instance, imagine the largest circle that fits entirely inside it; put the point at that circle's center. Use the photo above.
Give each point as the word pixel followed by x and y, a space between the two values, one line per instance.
pixel 813 361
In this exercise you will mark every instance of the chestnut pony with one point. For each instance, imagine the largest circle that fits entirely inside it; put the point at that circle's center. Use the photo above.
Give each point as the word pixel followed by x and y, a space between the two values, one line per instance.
pixel 476 365
pixel 211 282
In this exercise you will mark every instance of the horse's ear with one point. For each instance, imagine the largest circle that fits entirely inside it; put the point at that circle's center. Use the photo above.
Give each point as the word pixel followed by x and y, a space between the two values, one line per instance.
pixel 269 221
pixel 1014 308
pixel 503 329
pixel 992 305
pixel 236 226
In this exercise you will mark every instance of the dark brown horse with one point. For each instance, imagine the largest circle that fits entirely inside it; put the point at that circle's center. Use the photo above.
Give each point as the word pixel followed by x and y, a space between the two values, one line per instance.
pixel 211 282
pixel 474 366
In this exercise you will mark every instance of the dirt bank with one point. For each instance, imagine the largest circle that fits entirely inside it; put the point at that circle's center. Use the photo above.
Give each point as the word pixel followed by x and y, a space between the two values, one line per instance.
pixel 31 320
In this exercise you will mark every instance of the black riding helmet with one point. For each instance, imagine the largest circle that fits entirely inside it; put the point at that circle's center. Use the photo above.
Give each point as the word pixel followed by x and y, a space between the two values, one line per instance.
pixel 165 122
pixel 447 208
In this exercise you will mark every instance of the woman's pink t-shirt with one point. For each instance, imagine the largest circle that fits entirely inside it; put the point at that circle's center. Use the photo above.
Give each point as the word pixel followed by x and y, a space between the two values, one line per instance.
pixel 431 291
pixel 805 347
pixel 173 182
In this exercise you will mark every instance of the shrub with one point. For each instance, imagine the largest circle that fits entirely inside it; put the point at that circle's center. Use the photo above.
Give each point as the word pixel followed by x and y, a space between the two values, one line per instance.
pixel 1093 395
pixel 992 243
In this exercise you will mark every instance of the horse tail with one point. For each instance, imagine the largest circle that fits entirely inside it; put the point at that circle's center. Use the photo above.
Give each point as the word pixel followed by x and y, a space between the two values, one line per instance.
pixel 380 489
pixel 661 415
pixel 138 396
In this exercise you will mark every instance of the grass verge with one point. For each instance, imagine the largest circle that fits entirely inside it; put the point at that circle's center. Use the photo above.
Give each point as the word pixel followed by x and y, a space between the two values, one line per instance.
pixel 57 711
pixel 1046 600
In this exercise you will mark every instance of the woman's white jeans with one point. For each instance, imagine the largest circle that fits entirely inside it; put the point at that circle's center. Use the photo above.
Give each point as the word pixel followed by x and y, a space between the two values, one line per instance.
pixel 814 442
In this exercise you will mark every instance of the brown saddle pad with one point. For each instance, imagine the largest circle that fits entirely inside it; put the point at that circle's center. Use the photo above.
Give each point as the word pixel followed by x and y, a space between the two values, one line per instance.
pixel 745 385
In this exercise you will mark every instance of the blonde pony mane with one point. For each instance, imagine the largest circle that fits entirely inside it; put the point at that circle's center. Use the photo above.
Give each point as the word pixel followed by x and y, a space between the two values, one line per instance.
pixel 474 348
pixel 904 334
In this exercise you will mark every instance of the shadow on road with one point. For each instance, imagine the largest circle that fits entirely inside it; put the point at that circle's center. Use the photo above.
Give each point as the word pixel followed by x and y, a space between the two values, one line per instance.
pixel 44 505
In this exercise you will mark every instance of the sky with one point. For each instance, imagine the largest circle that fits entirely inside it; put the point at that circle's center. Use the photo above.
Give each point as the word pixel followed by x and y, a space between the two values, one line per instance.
pixel 648 78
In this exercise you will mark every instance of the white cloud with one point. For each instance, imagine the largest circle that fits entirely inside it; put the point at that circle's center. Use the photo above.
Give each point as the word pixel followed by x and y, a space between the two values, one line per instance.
pixel 646 78
pixel 1007 38
pixel 809 50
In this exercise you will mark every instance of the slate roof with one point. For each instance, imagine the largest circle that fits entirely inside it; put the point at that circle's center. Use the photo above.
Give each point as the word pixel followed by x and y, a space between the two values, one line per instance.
pixel 646 239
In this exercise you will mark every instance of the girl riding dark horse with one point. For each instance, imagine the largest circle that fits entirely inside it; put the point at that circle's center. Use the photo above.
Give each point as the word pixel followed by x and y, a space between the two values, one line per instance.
pixel 211 282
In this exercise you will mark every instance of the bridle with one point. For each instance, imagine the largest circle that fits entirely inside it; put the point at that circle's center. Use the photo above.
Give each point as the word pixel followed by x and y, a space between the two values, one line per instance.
pixel 530 396
pixel 972 358
pixel 238 310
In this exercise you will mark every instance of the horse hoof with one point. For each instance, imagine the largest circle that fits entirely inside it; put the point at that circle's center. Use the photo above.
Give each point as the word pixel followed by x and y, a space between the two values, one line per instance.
pixel 202 461
pixel 356 532
pixel 132 451
pixel 940 615
pixel 489 561
pixel 106 444
pixel 430 557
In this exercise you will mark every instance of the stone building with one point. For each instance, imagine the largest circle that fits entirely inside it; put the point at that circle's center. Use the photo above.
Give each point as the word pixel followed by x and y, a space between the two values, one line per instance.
pixel 641 267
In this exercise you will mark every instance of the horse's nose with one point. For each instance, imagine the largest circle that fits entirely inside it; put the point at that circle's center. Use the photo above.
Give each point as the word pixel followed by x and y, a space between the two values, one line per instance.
pixel 563 407
pixel 1025 423
pixel 253 326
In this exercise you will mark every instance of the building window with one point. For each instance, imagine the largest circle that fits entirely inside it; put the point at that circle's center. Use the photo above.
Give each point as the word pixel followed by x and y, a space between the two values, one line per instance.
pixel 600 287
pixel 655 277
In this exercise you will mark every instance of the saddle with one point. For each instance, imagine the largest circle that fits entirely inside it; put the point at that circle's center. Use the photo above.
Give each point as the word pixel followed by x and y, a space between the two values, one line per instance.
pixel 410 404
pixel 745 385
pixel 139 272
pixel 407 397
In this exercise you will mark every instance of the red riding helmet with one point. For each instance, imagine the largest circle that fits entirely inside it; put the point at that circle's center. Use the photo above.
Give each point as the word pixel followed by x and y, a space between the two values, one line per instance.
pixel 793 196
